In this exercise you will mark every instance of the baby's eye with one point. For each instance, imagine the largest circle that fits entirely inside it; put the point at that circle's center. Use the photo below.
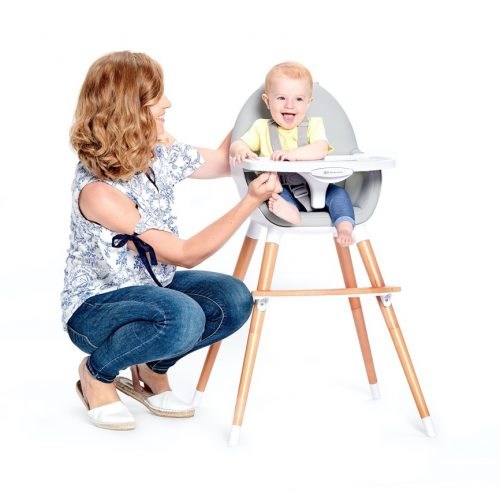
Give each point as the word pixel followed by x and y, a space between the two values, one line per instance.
pixel 281 98
pixel 300 99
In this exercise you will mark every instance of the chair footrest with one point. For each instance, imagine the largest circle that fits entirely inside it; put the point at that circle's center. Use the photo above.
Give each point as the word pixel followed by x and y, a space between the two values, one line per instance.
pixel 349 292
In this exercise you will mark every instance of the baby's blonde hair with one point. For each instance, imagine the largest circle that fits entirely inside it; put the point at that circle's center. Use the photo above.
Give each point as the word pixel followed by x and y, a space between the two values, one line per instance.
pixel 289 69
pixel 114 132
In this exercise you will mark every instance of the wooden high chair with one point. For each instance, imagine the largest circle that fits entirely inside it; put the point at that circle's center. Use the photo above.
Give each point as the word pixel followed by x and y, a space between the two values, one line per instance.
pixel 362 177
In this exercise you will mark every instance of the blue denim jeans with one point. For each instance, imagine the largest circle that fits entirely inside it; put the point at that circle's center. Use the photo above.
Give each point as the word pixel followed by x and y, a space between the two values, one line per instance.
pixel 155 325
pixel 337 202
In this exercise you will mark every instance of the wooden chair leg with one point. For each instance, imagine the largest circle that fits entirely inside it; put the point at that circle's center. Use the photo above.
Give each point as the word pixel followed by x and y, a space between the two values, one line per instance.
pixel 240 270
pixel 258 314
pixel 347 268
pixel 372 268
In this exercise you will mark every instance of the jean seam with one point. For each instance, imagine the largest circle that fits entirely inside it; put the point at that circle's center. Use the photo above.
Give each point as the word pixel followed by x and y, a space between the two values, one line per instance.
pixel 346 218
pixel 81 335
pixel 137 347
pixel 219 306
pixel 126 353
pixel 211 334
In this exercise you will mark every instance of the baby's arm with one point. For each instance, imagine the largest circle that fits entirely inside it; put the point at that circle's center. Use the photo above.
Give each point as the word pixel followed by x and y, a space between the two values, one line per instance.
pixel 310 152
pixel 240 150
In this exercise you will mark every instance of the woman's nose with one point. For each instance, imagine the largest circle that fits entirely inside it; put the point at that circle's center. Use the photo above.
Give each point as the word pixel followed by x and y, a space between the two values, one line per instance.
pixel 165 102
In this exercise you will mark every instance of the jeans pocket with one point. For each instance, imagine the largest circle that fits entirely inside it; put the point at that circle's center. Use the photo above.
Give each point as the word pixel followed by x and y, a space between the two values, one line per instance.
pixel 81 341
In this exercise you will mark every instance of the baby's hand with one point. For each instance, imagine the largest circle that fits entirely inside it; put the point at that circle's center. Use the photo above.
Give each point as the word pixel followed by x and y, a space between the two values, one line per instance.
pixel 240 155
pixel 282 155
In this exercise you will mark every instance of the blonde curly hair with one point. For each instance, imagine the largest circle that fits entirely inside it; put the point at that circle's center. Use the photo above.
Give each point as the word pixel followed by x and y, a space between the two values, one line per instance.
pixel 114 132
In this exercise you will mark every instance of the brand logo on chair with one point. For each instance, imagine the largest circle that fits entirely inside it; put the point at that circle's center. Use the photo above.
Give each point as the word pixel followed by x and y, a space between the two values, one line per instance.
pixel 332 172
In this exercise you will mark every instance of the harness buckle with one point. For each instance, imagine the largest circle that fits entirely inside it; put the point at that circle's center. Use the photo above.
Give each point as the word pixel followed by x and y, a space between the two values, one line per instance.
pixel 299 190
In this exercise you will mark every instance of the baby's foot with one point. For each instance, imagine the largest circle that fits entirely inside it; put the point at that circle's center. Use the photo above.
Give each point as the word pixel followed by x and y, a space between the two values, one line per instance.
pixel 344 233
pixel 284 210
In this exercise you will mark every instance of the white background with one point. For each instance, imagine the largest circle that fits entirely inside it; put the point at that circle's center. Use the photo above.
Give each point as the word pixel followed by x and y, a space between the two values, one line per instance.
pixel 419 82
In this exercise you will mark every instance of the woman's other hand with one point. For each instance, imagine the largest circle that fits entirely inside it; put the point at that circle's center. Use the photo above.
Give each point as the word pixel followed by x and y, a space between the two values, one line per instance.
pixel 263 186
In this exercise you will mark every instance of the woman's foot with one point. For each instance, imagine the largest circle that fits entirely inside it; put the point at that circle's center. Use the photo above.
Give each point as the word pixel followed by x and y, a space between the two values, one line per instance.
pixel 153 390
pixel 283 209
pixel 344 233
pixel 95 392
pixel 105 409
pixel 157 383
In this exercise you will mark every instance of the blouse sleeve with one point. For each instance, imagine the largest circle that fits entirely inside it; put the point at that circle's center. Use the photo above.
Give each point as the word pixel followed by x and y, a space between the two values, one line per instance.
pixel 146 222
pixel 178 161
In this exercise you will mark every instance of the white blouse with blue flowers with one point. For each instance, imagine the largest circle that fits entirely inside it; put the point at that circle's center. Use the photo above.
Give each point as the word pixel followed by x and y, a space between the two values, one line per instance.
pixel 93 266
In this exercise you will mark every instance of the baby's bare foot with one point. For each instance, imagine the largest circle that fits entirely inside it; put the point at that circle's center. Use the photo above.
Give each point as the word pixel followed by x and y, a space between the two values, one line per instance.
pixel 344 233
pixel 284 210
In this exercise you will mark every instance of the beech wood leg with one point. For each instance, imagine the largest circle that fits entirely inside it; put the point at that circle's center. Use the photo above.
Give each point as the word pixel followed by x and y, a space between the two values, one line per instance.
pixel 372 268
pixel 240 270
pixel 258 314
pixel 347 268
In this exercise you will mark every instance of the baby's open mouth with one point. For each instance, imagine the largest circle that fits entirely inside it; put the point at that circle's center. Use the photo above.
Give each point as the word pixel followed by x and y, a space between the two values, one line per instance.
pixel 288 117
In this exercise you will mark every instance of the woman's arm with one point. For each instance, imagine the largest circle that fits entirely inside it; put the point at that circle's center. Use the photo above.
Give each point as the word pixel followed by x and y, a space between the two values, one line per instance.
pixel 216 163
pixel 105 205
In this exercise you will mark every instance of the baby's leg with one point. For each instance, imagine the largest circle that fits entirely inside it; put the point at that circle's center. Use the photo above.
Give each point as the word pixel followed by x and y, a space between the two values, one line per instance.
pixel 341 212
pixel 284 207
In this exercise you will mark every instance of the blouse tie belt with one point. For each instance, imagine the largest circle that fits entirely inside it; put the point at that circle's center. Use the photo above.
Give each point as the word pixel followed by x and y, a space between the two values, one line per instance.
pixel 143 249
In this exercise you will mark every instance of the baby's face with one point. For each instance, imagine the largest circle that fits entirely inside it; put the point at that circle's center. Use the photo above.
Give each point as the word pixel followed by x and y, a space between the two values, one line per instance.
pixel 288 101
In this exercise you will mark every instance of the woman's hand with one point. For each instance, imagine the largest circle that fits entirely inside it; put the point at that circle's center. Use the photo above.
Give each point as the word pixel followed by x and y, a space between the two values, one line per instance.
pixel 263 186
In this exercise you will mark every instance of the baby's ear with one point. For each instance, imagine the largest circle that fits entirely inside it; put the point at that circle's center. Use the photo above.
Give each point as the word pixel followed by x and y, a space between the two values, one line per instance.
pixel 265 98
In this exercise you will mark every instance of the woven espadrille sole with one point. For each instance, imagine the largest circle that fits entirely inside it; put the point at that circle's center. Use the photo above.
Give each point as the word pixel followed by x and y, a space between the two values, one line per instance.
pixel 125 385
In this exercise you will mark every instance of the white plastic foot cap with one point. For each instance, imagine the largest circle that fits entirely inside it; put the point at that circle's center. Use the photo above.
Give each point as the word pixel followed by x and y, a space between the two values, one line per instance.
pixel 375 391
pixel 429 428
pixel 235 435
pixel 197 399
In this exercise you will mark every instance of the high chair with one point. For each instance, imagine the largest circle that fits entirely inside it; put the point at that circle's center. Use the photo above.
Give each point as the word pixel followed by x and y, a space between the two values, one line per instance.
pixel 362 178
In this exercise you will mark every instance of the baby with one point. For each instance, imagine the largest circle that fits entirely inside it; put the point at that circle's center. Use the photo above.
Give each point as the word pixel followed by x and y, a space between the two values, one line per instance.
pixel 288 94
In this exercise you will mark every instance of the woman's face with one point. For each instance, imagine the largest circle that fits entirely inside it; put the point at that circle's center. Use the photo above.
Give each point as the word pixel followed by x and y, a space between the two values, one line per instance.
pixel 158 112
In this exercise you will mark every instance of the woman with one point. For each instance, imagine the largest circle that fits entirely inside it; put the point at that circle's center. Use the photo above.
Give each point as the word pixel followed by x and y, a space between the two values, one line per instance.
pixel 122 301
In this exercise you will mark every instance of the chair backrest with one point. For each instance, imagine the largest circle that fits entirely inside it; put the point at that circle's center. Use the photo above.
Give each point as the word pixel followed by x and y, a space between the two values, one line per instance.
pixel 363 188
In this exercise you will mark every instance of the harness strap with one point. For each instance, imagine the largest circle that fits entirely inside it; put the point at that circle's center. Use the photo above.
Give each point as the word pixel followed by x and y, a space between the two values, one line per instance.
pixel 295 182
pixel 143 249
pixel 275 137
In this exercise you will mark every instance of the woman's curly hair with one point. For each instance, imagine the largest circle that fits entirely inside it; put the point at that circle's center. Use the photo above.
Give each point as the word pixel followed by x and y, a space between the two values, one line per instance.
pixel 114 132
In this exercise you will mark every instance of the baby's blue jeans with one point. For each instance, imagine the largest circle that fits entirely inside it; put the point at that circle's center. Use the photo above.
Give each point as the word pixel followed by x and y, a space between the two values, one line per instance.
pixel 159 326
pixel 337 202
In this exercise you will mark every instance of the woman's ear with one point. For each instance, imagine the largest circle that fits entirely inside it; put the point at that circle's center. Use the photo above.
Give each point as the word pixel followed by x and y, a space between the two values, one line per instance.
pixel 265 98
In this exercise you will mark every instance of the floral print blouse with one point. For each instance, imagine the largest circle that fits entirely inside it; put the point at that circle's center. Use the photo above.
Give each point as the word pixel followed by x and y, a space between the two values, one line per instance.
pixel 93 265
